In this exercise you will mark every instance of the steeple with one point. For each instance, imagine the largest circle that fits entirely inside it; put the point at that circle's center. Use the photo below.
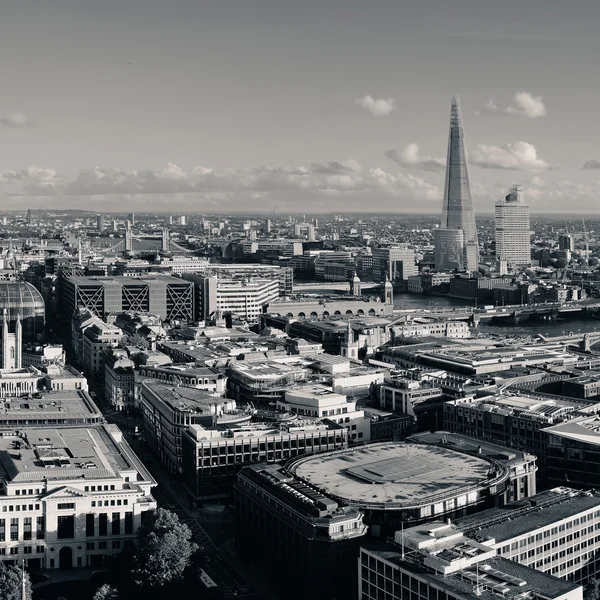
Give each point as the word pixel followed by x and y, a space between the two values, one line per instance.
pixel 458 211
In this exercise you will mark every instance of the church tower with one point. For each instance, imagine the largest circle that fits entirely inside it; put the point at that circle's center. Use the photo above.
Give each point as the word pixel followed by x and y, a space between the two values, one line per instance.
pixel 388 292
pixel 12 344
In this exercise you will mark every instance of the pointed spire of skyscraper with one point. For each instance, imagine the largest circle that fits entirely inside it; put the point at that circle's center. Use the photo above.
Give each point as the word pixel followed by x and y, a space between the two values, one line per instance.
pixel 458 211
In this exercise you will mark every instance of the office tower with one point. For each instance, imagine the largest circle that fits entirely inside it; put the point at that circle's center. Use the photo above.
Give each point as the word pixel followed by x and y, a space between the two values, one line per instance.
pixel 513 230
pixel 128 238
pixel 449 249
pixel 165 240
pixel 565 242
pixel 100 222
pixel 132 218
pixel 458 212
pixel 29 217
pixel 182 220
pixel 267 226
pixel 396 263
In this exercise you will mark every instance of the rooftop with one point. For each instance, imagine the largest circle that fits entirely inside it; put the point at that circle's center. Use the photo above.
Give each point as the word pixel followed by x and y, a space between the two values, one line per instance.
pixel 519 518
pixel 183 399
pixel 124 280
pixel 70 404
pixel 64 453
pixel 394 472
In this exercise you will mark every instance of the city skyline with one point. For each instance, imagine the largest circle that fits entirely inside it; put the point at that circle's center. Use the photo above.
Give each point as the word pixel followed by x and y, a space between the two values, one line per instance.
pixel 342 108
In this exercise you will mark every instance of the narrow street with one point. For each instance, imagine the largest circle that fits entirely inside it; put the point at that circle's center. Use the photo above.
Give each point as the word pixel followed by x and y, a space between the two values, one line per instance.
pixel 230 584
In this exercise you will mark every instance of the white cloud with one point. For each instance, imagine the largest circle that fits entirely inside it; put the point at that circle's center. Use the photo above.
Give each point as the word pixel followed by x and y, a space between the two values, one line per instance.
pixel 292 184
pixel 591 163
pixel 517 156
pixel 523 104
pixel 16 120
pixel 379 107
pixel 410 158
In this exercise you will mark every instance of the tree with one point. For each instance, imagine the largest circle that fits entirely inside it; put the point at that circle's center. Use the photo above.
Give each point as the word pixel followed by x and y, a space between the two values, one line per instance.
pixel 11 583
pixel 106 592
pixel 163 549
pixel 592 590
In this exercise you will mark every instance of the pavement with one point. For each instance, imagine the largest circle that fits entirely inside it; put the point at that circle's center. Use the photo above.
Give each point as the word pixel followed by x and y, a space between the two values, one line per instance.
pixel 169 494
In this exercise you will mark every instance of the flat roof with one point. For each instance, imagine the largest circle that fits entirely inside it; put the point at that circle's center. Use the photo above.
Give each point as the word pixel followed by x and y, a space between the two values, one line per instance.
pixel 519 518
pixel 64 453
pixel 545 584
pixel 186 399
pixel 123 279
pixel 70 404
pixel 396 472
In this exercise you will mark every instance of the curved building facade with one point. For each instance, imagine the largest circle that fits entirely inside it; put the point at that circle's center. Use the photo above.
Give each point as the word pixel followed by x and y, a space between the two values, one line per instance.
pixel 396 483
pixel 21 300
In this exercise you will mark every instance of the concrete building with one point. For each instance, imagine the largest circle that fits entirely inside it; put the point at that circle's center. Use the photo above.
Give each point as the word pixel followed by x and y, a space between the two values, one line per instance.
pixel 437 562
pixel 98 338
pixel 448 329
pixel 396 263
pixel 77 496
pixel 319 401
pixel 168 297
pixel 64 408
pixel 513 230
pixel 449 249
pixel 188 375
pixel 282 521
pixel 244 297
pixel 212 456
pixel 555 532
pixel 167 410
pixel 119 380
pixel 394 482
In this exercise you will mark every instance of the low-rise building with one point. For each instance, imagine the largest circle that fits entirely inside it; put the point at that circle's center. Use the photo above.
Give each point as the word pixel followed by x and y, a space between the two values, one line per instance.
pixel 319 401
pixel 70 497
pixel 119 380
pixel 187 374
pixel 555 532
pixel 97 338
pixel 282 521
pixel 212 456
pixel 436 562
pixel 168 410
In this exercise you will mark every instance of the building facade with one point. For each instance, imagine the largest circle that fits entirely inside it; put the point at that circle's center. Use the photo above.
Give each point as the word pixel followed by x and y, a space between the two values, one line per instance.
pixel 513 230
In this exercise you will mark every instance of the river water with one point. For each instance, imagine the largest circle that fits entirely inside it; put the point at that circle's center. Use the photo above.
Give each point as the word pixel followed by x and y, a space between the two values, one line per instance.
pixel 531 327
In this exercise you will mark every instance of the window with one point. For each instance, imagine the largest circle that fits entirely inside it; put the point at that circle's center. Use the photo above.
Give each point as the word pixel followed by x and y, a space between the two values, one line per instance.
pixel 66 527
pixel 27 525
pixel 14 529
pixel 28 549
pixel 103 524
pixel 128 522
pixel 66 506
pixel 90 525
pixel 40 528
pixel 116 523
pixel 14 551
pixel 39 549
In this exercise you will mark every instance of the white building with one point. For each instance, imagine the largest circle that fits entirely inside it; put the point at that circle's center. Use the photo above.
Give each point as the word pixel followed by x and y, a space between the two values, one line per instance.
pixel 395 263
pixel 320 402
pixel 513 230
pixel 70 497
pixel 119 380
pixel 96 339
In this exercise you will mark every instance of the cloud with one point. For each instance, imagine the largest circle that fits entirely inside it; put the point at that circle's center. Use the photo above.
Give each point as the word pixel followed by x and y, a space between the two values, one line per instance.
pixel 293 185
pixel 524 104
pixel 410 158
pixel 379 107
pixel 517 156
pixel 16 120
pixel 591 163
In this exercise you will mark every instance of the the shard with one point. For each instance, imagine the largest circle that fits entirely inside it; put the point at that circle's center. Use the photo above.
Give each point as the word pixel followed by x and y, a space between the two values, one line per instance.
pixel 458 212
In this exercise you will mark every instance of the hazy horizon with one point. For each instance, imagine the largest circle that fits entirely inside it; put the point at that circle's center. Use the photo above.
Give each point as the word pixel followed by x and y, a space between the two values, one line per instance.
pixel 317 107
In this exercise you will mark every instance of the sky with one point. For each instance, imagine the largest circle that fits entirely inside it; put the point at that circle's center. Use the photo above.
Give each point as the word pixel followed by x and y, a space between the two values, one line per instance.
pixel 303 106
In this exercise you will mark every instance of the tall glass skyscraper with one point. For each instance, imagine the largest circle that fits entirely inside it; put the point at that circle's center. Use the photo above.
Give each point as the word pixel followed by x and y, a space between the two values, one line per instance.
pixel 458 212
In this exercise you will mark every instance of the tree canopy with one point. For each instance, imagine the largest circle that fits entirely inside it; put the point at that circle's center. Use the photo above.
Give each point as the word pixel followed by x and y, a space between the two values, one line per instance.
pixel 163 549
pixel 11 583
pixel 106 592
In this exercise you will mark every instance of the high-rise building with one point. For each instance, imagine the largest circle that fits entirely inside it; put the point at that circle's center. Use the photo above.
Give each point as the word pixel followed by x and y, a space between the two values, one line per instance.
pixel 449 249
pixel 397 263
pixel 100 222
pixel 458 211
pixel 513 230
pixel 565 242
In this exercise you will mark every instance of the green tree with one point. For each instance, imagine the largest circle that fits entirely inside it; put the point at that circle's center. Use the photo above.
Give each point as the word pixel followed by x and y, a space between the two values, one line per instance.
pixel 11 583
pixel 163 549
pixel 106 592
